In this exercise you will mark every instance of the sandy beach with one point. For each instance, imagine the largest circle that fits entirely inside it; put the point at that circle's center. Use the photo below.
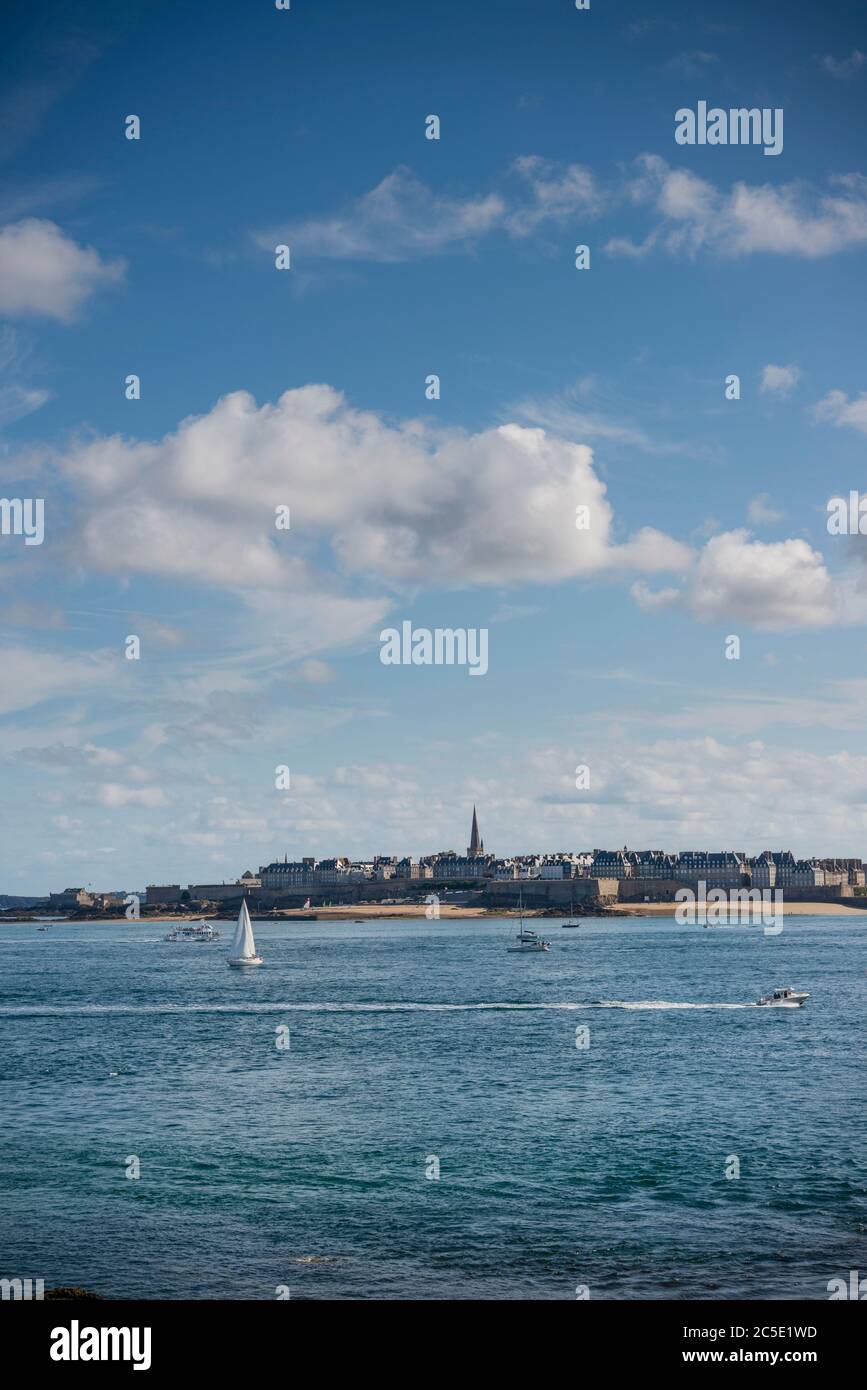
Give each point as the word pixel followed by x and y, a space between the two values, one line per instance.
pixel 363 911
pixel 451 911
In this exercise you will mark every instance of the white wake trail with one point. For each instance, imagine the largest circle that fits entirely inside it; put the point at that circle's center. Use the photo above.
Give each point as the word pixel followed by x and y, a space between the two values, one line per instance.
pixel 73 1010
pixel 325 1007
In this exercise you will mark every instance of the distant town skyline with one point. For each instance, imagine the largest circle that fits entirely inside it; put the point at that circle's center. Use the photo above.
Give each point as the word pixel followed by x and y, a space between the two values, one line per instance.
pixel 766 867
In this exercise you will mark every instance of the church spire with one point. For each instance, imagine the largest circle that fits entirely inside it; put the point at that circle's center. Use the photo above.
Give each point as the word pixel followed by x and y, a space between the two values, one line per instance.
pixel 476 845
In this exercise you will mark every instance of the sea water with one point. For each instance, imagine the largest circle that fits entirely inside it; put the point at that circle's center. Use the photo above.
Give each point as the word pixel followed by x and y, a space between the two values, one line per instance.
pixel 402 1109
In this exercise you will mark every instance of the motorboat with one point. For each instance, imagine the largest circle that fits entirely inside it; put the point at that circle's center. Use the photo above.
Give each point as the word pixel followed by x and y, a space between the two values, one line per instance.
pixel 784 999
pixel 193 931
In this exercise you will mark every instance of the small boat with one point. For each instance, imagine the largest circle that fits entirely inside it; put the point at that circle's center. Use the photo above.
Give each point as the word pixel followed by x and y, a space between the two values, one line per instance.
pixel 244 947
pixel 571 924
pixel 42 929
pixel 784 999
pixel 193 931
pixel 529 942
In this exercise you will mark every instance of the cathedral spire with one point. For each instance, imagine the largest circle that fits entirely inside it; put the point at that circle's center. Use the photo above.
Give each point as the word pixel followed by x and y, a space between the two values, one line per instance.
pixel 476 845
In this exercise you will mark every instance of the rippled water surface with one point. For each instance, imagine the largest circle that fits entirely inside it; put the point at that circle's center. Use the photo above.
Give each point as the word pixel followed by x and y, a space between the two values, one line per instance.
pixel 305 1166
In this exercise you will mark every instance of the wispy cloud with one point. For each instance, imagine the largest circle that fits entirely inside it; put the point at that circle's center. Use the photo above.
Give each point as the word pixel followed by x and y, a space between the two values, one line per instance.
pixel 30 676
pixel 514 612
pixel 18 401
pixel 48 65
pixel 403 218
pixel 576 414
pixel 557 192
pixel 843 68
pixel 761 512
pixel 692 64
pixel 837 409
pixel 24 199
pixel 398 220
pixel 693 215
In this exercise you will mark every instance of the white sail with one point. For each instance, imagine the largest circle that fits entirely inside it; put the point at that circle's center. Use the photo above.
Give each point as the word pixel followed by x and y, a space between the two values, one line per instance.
pixel 244 947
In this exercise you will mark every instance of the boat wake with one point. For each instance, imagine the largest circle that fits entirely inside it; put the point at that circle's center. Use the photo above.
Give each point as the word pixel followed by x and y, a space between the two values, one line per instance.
pixel 81 1010
pixel 658 1004
pixel 510 1006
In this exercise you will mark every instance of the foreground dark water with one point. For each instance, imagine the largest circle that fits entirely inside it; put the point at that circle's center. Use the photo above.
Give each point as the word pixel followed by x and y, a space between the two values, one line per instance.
pixel 602 1166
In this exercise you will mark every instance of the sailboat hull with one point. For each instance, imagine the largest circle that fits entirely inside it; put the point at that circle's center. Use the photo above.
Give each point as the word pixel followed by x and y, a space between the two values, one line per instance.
pixel 245 960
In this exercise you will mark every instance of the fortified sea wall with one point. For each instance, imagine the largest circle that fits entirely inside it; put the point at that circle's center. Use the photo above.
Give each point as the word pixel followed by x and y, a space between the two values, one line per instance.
pixel 554 892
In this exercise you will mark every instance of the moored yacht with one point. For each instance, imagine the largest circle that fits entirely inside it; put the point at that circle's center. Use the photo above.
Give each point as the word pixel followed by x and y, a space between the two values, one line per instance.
pixel 527 941
pixel 571 924
pixel 784 998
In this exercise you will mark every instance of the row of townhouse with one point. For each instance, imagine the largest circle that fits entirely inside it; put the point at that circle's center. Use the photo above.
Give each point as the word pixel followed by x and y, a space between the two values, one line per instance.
pixel 727 868
pixel 723 869
pixel 332 873
pixel 445 865
pixel 780 869
pixel 630 863
pixel 850 871
pixel 308 873
pixel 543 866
pixel 449 865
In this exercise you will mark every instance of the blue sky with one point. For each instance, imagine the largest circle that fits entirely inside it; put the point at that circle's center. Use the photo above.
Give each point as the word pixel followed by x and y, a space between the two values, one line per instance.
pixel 559 387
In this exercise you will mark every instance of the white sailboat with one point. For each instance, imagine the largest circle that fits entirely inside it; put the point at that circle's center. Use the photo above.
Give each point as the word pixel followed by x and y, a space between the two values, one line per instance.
pixel 244 947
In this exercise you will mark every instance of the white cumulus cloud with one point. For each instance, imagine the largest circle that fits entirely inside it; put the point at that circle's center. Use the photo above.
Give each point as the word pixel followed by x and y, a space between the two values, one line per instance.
pixel 44 273
pixel 779 379
pixel 768 585
pixel 397 503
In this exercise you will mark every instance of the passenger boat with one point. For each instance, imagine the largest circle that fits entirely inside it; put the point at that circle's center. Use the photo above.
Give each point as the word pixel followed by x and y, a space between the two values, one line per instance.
pixel 193 931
